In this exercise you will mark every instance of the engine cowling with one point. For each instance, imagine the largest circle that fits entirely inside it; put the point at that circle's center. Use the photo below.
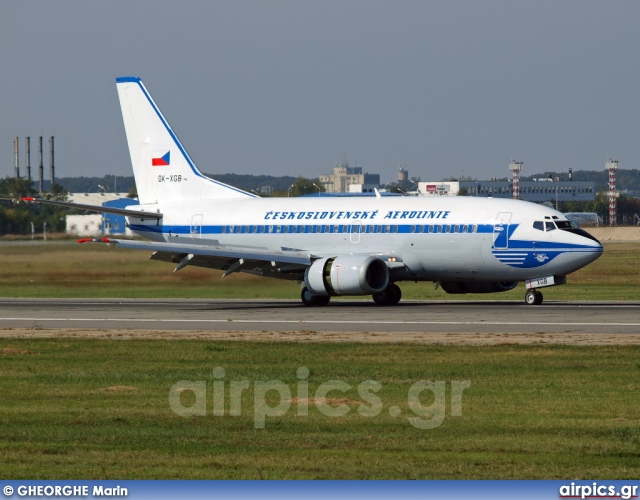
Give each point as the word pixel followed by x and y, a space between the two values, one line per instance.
pixel 478 286
pixel 347 275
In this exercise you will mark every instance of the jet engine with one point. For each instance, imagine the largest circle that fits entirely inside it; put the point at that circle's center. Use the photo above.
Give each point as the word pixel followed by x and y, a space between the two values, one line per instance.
pixel 347 275
pixel 478 286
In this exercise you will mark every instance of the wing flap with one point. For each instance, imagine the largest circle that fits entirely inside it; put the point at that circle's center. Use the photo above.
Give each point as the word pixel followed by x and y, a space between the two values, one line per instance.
pixel 277 264
pixel 272 269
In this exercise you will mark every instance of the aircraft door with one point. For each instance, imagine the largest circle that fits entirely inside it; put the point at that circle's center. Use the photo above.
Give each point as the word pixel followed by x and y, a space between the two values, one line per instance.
pixel 355 230
pixel 501 231
pixel 196 227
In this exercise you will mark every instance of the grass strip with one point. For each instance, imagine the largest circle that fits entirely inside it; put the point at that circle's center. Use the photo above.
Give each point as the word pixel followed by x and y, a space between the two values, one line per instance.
pixel 99 409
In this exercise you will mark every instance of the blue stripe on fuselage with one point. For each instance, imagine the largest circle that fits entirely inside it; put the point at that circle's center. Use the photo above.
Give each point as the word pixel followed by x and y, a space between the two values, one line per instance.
pixel 315 229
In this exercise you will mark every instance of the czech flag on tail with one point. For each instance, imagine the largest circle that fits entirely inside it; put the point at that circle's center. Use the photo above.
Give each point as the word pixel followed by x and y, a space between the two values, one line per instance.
pixel 160 160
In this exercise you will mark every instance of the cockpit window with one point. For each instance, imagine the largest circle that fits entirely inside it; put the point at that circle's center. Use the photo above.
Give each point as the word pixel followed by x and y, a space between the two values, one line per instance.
pixel 565 224
pixel 550 225
pixel 538 225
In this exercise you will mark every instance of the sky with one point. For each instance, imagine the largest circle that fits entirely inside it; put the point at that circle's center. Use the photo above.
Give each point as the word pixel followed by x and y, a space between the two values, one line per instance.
pixel 291 87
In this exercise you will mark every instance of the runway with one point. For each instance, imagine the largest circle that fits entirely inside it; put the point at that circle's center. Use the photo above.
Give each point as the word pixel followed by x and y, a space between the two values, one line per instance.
pixel 411 319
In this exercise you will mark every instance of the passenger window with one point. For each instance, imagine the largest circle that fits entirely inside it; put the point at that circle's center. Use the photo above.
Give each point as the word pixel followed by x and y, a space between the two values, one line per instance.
pixel 538 225
pixel 465 228
pixel 474 228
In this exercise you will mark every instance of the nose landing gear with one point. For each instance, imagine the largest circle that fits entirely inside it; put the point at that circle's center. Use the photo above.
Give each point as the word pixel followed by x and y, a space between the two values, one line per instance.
pixel 533 298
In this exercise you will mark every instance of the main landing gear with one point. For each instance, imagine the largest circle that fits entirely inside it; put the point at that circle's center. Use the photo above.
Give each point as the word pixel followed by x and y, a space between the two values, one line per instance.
pixel 533 298
pixel 390 296
pixel 309 299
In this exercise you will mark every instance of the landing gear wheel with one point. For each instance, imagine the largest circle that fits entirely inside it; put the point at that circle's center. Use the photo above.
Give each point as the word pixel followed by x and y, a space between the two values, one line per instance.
pixel 322 300
pixel 390 296
pixel 533 298
pixel 309 299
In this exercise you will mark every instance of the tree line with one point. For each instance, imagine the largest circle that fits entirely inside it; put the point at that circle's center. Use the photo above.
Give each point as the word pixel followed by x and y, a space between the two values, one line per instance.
pixel 21 217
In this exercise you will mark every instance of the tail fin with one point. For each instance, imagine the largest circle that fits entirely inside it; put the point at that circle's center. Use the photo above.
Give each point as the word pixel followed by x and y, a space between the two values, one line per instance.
pixel 161 166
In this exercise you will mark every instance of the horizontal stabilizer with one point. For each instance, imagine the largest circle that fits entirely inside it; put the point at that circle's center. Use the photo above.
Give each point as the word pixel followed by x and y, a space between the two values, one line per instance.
pixel 96 208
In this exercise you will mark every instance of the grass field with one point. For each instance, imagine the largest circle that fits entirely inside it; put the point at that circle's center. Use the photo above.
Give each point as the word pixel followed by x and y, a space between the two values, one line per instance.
pixel 68 269
pixel 100 409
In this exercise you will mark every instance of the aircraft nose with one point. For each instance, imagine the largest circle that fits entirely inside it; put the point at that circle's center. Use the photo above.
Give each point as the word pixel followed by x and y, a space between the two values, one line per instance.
pixel 596 247
pixel 585 234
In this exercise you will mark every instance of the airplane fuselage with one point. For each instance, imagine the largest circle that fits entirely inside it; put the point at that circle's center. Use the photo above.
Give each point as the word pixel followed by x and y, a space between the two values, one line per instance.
pixel 435 238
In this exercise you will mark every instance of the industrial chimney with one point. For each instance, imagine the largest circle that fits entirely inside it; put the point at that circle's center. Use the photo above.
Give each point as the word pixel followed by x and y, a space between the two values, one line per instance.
pixel 53 168
pixel 41 174
pixel 28 164
pixel 16 158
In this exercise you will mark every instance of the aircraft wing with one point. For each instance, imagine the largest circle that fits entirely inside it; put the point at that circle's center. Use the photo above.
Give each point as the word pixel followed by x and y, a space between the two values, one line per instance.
pixel 96 208
pixel 284 264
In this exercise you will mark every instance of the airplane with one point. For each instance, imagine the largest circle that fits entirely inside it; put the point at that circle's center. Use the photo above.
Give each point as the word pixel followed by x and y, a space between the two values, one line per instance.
pixel 334 246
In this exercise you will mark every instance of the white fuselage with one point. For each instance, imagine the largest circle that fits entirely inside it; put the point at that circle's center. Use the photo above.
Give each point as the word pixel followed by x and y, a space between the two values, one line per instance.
pixel 436 238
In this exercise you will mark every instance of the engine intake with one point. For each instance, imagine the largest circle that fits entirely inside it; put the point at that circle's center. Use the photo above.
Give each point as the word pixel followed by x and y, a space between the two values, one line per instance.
pixel 478 286
pixel 347 275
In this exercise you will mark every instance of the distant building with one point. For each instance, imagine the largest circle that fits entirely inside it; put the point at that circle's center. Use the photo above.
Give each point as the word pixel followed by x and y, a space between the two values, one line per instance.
pixel 117 224
pixel 538 191
pixel 449 188
pixel 94 198
pixel 362 188
pixel 99 224
pixel 403 174
pixel 84 225
pixel 344 176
